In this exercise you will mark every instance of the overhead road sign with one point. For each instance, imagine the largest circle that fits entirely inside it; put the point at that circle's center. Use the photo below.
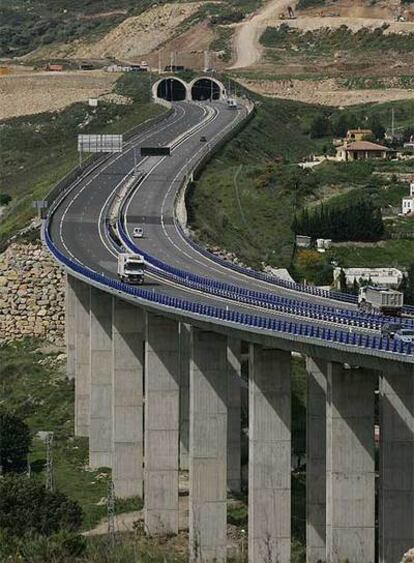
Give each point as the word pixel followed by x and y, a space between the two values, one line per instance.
pixel 100 143
pixel 155 151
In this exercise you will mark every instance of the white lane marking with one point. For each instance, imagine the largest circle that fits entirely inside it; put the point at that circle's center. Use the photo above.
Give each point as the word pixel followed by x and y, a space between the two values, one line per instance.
pixel 182 251
pixel 211 116
pixel 140 138
pixel 101 236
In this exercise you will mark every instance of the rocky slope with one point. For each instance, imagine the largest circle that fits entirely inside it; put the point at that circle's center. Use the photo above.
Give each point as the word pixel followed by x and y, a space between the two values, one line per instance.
pixel 31 294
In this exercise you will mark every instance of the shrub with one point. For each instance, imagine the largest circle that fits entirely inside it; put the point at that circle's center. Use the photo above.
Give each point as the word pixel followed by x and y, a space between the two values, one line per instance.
pixel 15 442
pixel 27 508
pixel 5 199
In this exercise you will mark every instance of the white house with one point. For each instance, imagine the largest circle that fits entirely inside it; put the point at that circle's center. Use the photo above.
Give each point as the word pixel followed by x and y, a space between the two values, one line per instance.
pixel 408 202
pixel 385 277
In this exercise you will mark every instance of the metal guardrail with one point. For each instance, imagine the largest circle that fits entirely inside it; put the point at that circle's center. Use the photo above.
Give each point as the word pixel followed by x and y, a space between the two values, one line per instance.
pixel 245 320
pixel 252 321
pixel 272 302
pixel 97 159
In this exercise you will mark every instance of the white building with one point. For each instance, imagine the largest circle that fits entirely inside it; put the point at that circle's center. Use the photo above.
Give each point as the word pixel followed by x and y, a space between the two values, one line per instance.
pixel 408 202
pixel 385 277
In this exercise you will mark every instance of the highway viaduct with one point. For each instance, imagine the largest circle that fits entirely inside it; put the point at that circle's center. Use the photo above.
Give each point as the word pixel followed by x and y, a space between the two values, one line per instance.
pixel 157 369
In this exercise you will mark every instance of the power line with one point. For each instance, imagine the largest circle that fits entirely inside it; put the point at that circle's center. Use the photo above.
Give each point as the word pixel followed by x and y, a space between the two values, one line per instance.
pixel 50 477
pixel 111 512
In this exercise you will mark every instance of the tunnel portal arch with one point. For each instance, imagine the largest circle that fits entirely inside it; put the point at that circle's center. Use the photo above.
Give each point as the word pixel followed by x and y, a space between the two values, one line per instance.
pixel 170 88
pixel 206 88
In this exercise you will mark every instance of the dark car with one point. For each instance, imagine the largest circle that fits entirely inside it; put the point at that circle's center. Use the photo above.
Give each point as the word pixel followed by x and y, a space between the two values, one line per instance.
pixel 389 329
pixel 203 139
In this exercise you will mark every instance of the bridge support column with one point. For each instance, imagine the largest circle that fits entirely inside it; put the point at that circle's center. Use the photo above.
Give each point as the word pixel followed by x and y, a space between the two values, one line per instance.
pixel 269 455
pixel 316 460
pixel 100 431
pixel 127 398
pixel 185 336
pixel 396 494
pixel 350 465
pixel 70 325
pixel 208 447
pixel 162 399
pixel 82 357
pixel 234 415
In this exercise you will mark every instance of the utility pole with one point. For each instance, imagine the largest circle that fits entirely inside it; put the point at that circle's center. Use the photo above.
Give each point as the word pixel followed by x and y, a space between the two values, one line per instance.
pixel 50 478
pixel 393 123
pixel 111 511
pixel 159 62
pixel 206 61
pixel 171 61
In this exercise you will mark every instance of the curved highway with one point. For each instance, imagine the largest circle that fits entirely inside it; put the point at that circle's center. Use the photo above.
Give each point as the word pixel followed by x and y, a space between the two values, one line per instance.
pixel 78 235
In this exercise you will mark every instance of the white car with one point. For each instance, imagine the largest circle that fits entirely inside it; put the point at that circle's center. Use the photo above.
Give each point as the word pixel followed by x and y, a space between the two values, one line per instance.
pixel 405 334
pixel 138 232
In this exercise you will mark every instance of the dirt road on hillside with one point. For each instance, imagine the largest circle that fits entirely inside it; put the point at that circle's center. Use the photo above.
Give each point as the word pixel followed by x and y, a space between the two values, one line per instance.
pixel 247 46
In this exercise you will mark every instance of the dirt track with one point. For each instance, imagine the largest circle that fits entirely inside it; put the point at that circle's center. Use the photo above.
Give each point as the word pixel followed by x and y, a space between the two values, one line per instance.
pixel 247 46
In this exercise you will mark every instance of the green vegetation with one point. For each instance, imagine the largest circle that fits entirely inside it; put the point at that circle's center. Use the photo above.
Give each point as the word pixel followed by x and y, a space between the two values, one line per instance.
pixel 14 443
pixel 28 508
pixel 244 200
pixel 38 150
pixel 360 220
pixel 27 24
pixel 222 43
pixel 327 41
pixel 397 253
pixel 34 388
pixel 303 4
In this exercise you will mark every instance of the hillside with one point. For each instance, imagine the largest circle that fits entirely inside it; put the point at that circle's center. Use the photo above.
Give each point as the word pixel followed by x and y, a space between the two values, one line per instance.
pixel 30 25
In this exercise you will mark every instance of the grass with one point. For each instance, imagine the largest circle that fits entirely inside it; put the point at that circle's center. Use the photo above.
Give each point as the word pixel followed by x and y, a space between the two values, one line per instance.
pixel 38 150
pixel 244 200
pixel 392 253
pixel 328 41
pixel 38 391
pixel 27 25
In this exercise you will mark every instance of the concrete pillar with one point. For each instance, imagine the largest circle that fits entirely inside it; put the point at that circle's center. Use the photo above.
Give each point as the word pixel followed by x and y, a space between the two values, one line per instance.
pixel 316 460
pixel 396 491
pixel 185 335
pixel 127 399
pixel 100 429
pixel 208 447
pixel 234 415
pixel 350 466
pixel 269 455
pixel 70 324
pixel 162 399
pixel 82 358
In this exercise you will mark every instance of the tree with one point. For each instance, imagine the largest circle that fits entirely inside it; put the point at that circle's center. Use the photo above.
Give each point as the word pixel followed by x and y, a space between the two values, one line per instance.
pixel 15 441
pixel 320 127
pixel 407 285
pixel 5 199
pixel 27 508
pixel 376 127
pixel 342 281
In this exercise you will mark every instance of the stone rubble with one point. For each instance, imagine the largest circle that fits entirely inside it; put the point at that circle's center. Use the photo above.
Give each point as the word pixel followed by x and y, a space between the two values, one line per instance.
pixel 32 298
pixel 408 557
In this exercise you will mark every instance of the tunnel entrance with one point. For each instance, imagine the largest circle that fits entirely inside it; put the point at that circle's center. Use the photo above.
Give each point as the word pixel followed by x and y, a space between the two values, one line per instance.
pixel 172 90
pixel 205 89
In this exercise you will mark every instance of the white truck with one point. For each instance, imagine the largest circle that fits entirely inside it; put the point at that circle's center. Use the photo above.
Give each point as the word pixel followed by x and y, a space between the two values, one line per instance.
pixel 131 268
pixel 380 300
